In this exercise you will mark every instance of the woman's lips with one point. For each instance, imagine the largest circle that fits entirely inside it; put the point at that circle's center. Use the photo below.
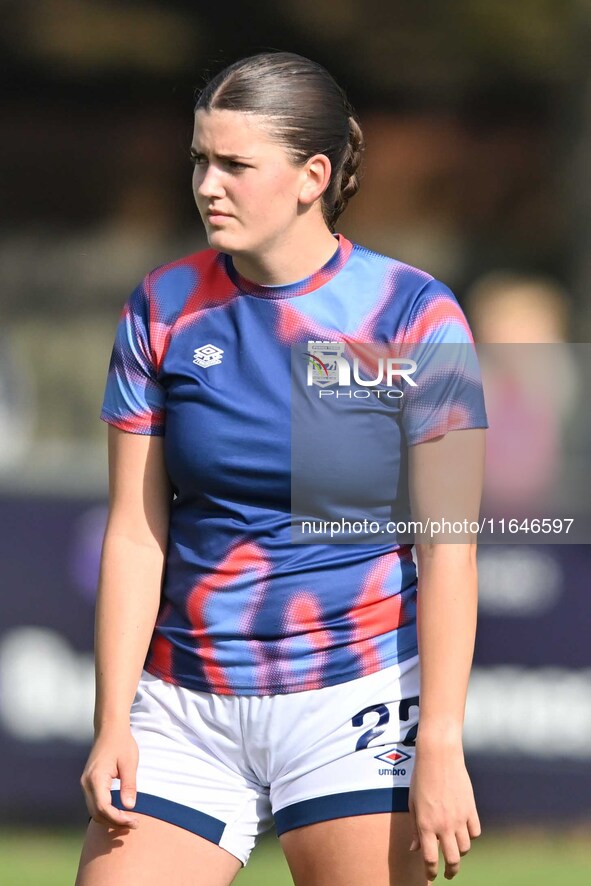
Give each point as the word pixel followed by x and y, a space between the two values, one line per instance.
pixel 216 218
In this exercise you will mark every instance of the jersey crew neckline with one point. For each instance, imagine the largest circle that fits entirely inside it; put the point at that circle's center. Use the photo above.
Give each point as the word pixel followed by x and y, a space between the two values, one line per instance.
pixel 301 287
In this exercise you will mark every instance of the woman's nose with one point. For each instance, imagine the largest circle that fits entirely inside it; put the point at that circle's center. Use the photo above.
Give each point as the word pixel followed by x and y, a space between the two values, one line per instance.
pixel 209 183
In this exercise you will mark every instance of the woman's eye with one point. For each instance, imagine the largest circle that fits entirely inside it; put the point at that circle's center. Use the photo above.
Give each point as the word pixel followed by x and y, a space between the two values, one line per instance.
pixel 201 160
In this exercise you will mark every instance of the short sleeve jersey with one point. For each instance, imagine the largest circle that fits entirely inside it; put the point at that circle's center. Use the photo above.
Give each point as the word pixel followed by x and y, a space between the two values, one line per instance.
pixel 202 357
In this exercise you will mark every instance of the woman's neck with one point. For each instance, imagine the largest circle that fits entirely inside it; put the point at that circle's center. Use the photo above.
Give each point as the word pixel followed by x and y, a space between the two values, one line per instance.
pixel 294 257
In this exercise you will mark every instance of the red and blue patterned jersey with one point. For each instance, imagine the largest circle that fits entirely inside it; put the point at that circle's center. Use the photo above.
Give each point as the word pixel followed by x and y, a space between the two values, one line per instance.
pixel 202 357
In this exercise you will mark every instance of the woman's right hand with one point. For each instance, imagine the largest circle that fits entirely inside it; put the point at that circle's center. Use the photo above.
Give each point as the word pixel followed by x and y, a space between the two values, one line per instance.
pixel 114 755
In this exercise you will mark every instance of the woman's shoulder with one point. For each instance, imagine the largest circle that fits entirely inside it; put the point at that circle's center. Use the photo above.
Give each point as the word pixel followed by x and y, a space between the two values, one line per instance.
pixel 392 265
pixel 414 302
pixel 194 281
pixel 201 272
pixel 178 268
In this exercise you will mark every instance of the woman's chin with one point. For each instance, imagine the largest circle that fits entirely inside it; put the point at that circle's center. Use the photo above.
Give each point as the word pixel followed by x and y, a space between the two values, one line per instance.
pixel 220 240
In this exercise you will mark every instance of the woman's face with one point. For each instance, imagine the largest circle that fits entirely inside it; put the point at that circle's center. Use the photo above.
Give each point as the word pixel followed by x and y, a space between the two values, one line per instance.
pixel 246 188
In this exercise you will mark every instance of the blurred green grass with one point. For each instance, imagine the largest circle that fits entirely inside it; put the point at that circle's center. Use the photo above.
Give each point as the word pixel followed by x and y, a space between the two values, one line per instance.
pixel 524 858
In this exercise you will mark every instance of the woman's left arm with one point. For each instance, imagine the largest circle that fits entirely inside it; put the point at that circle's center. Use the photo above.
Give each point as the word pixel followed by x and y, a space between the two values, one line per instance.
pixel 445 483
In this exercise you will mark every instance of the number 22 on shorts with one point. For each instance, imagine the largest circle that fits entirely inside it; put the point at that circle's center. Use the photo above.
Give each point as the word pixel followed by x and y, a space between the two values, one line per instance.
pixel 383 715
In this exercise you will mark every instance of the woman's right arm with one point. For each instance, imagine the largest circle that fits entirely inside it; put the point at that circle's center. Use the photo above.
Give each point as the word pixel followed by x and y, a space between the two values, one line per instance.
pixel 128 599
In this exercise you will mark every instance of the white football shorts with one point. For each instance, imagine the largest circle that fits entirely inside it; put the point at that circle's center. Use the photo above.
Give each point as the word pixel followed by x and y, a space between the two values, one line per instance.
pixel 229 767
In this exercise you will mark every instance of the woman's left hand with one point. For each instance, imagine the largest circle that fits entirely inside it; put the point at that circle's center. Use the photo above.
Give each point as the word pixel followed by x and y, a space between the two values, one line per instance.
pixel 442 807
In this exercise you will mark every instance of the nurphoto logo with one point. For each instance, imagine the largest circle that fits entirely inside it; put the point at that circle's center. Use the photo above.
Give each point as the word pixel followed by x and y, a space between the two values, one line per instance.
pixel 327 366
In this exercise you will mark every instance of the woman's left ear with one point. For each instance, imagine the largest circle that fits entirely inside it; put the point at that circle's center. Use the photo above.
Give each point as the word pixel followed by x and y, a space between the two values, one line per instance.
pixel 317 171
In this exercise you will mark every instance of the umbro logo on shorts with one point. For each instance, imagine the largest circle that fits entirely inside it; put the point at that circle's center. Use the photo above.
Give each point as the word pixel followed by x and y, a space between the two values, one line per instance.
pixel 394 757
pixel 207 355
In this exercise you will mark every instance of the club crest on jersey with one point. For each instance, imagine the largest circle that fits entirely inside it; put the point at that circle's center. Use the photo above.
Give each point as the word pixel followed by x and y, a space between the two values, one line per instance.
pixel 207 355
pixel 323 362
pixel 393 757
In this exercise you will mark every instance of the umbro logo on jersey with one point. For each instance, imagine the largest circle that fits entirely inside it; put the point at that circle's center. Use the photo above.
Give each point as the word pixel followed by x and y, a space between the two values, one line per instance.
pixel 394 757
pixel 207 355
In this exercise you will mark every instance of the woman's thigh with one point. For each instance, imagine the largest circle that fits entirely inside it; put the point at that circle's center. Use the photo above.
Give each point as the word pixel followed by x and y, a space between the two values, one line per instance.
pixel 352 851
pixel 154 853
